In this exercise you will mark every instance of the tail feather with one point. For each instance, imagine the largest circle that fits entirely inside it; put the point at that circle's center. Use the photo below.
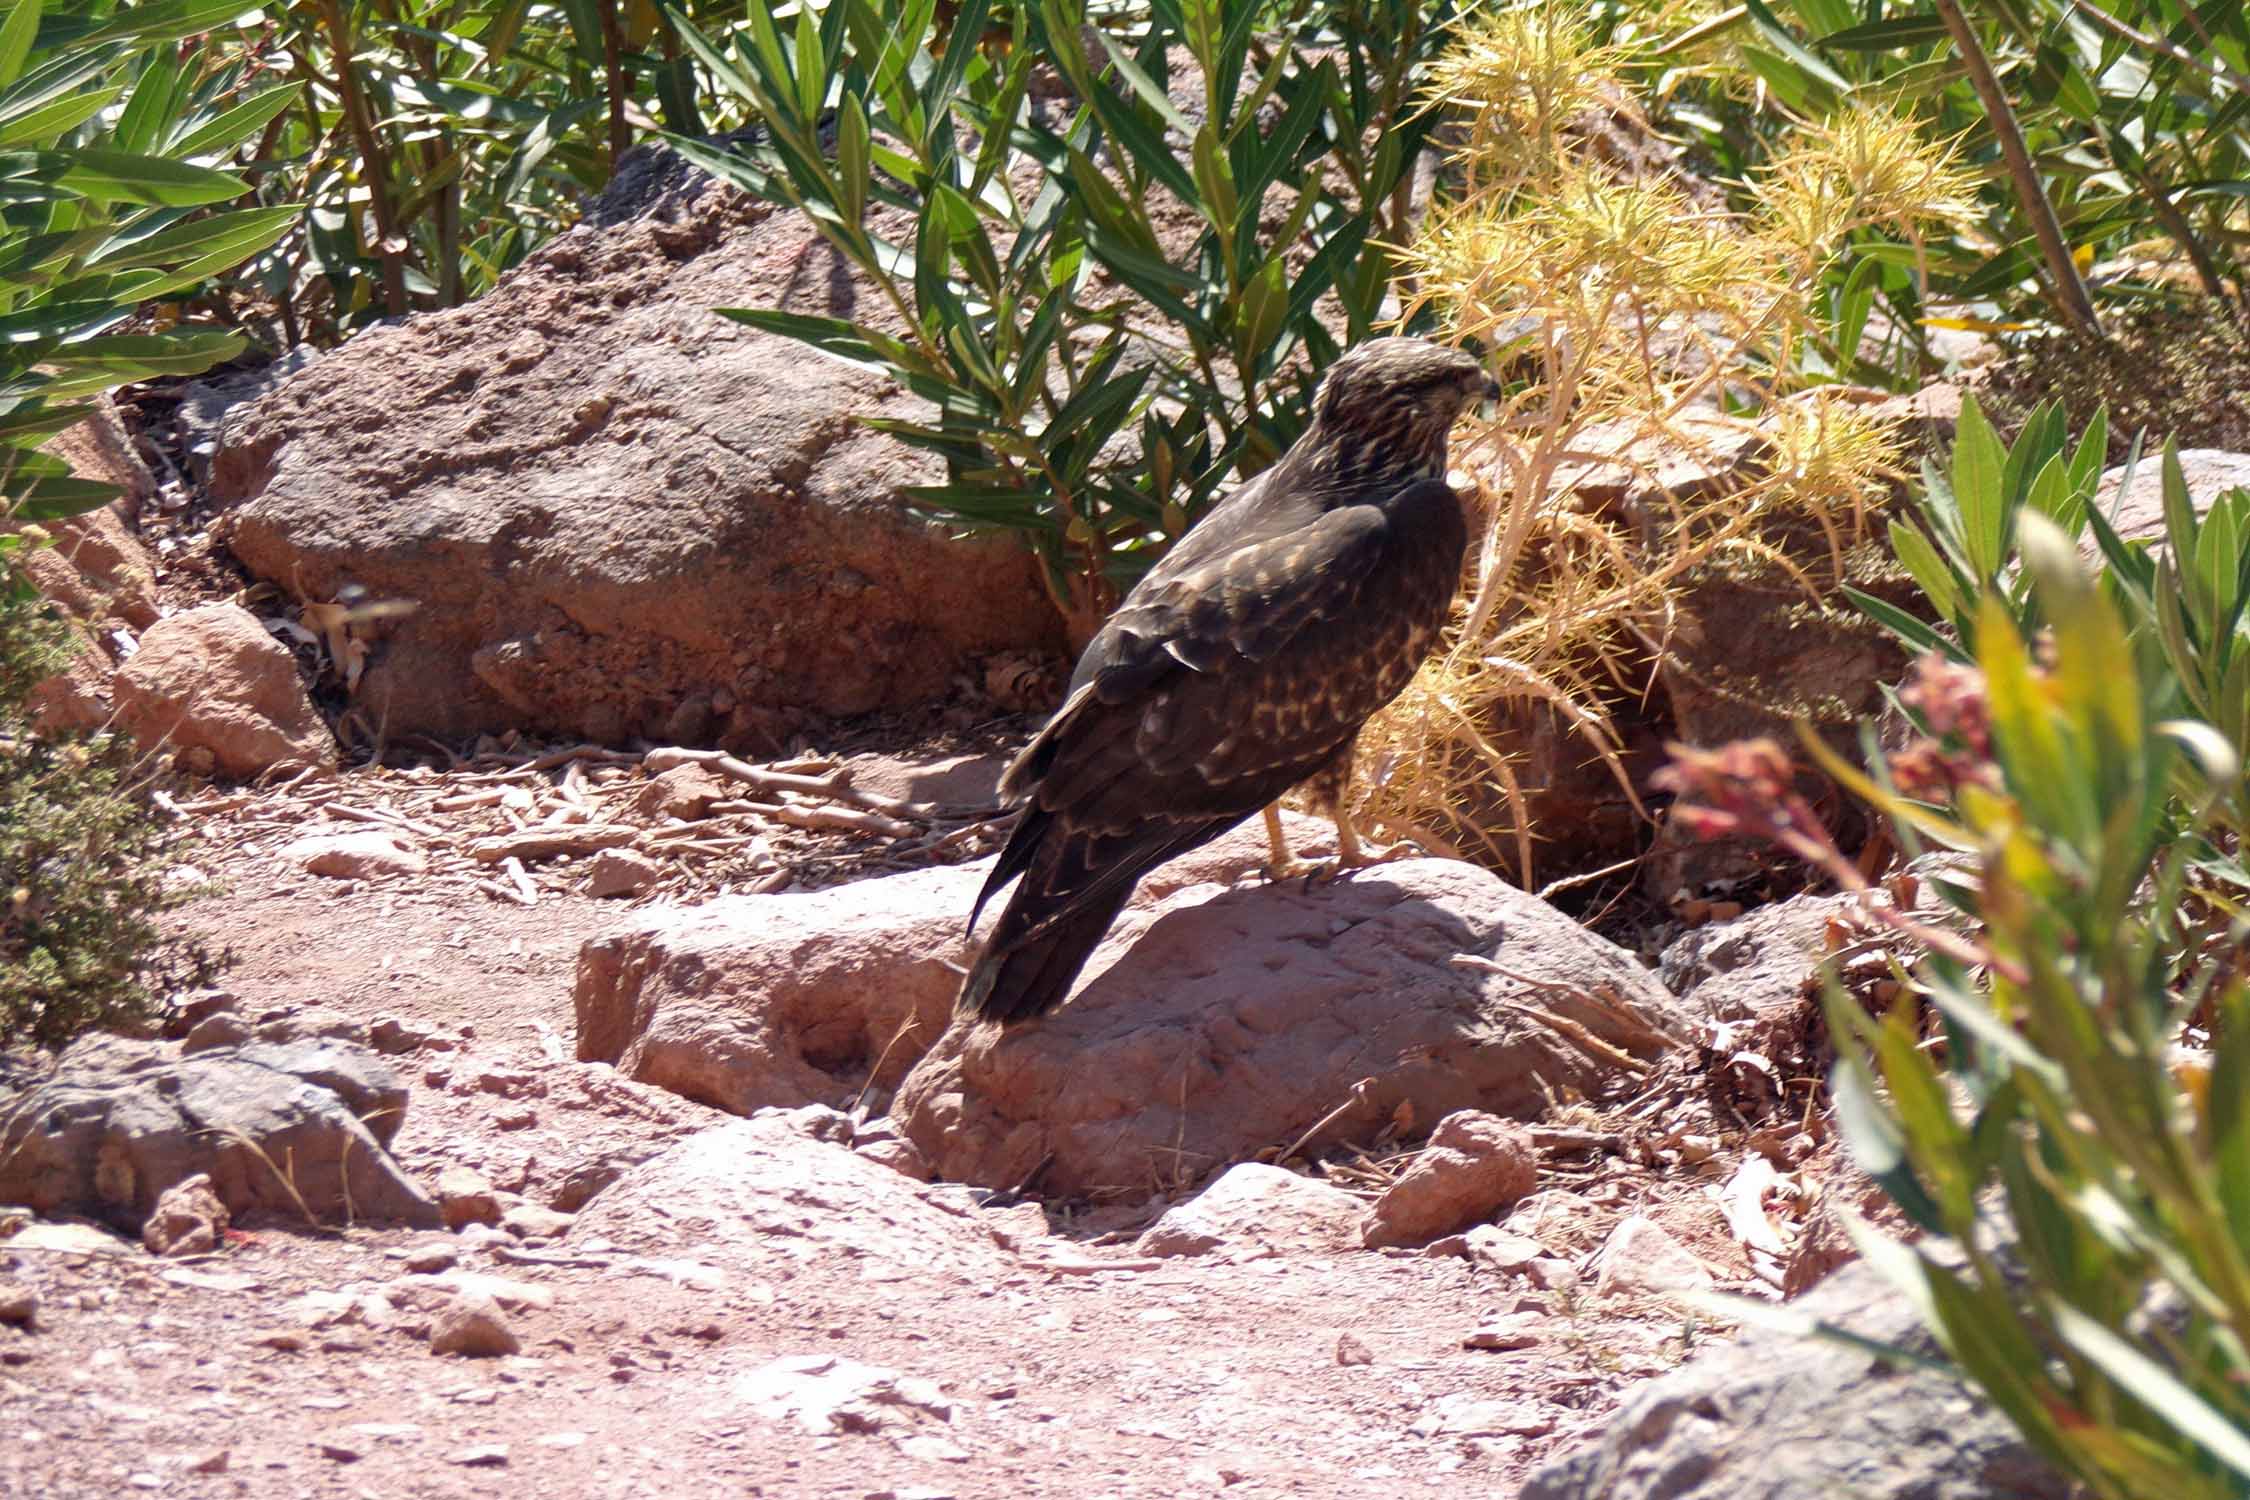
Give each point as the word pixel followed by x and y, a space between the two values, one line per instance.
pixel 1073 886
pixel 1032 976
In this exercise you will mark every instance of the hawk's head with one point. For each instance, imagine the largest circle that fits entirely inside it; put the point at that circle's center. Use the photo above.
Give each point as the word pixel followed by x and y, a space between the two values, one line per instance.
pixel 1391 402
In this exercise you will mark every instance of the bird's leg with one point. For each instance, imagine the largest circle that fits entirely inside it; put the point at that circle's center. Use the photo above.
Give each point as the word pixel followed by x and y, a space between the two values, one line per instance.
pixel 1284 865
pixel 1351 854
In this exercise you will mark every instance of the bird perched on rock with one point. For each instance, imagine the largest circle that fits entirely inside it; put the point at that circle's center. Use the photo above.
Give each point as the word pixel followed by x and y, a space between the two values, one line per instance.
pixel 1241 665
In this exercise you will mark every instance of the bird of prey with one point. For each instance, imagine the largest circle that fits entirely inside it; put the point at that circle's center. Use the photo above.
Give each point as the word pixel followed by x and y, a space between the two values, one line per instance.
pixel 1242 664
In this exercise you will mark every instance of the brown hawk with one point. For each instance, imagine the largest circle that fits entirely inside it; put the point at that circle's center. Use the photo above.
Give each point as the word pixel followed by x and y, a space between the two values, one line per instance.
pixel 1243 664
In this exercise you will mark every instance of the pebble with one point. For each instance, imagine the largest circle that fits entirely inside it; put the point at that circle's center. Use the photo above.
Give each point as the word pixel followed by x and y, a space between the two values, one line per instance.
pixel 464 1197
pixel 529 1221
pixel 472 1325
pixel 483 1456
pixel 19 1304
pixel 1512 1331
pixel 428 1260
pixel 1350 1351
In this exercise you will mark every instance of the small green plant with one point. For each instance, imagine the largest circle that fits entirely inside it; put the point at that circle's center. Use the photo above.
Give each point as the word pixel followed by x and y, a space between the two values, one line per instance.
pixel 2184 598
pixel 1102 292
pixel 2074 1134
pixel 107 201
pixel 83 859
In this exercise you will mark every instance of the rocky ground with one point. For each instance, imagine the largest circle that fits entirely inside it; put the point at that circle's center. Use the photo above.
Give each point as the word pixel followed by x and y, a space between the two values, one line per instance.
pixel 759 1308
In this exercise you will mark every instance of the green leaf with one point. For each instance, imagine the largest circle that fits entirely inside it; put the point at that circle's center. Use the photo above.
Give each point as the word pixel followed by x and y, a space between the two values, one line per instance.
pixel 241 232
pixel 2154 1386
pixel 115 176
pixel 235 124
pixel 16 33
pixel 1888 35
pixel 1979 489
pixel 1872 1133
pixel 140 356
pixel 42 124
pixel 1147 89
pixel 1939 583
pixel 52 497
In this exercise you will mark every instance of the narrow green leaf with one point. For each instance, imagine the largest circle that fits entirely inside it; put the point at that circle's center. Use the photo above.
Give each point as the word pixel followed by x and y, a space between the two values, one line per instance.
pixel 1979 470
pixel 235 125
pixel 1888 35
pixel 16 33
pixel 2154 1386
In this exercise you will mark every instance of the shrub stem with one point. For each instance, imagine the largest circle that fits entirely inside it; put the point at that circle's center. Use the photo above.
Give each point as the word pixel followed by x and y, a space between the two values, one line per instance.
pixel 2070 288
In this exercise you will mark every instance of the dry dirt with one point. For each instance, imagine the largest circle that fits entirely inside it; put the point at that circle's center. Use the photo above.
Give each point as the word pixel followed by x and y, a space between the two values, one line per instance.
pixel 1116 1376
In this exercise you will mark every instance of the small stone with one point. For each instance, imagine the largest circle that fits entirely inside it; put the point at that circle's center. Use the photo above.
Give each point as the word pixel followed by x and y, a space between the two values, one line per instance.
pixel 684 792
pixel 473 1325
pixel 428 1260
pixel 622 872
pixel 516 1117
pixel 1491 1248
pixel 1475 1165
pixel 1640 1258
pixel 528 1221
pixel 210 1463
pixel 1553 1274
pixel 339 1449
pixel 509 1083
pixel 196 1005
pixel 364 854
pixel 1513 1331
pixel 899 1155
pixel 287 1340
pixel 1253 1206
pixel 464 1197
pixel 1350 1351
pixel 189 1219
pixel 224 1029
pixel 19 1304
pixel 394 1035
pixel 483 1456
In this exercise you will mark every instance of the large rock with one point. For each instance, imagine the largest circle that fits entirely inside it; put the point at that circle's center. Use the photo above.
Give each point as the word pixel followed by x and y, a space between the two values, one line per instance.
pixel 616 512
pixel 1218 1020
pixel 211 680
pixel 1782 1417
pixel 753 1001
pixel 291 1127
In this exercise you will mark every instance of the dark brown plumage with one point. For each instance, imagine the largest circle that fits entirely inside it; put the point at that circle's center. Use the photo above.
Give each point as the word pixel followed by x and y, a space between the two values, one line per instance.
pixel 1242 664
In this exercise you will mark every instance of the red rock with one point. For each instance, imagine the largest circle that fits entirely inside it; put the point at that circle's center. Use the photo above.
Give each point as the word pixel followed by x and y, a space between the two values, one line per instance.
pixel 754 1001
pixel 1254 1206
pixel 684 792
pixel 1639 1258
pixel 621 513
pixel 362 854
pixel 1475 1166
pixel 189 1219
pixel 621 872
pixel 1218 1020
pixel 213 680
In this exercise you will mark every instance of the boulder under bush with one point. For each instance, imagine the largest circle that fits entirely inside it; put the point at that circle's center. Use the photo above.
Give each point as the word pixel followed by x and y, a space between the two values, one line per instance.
pixel 614 512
